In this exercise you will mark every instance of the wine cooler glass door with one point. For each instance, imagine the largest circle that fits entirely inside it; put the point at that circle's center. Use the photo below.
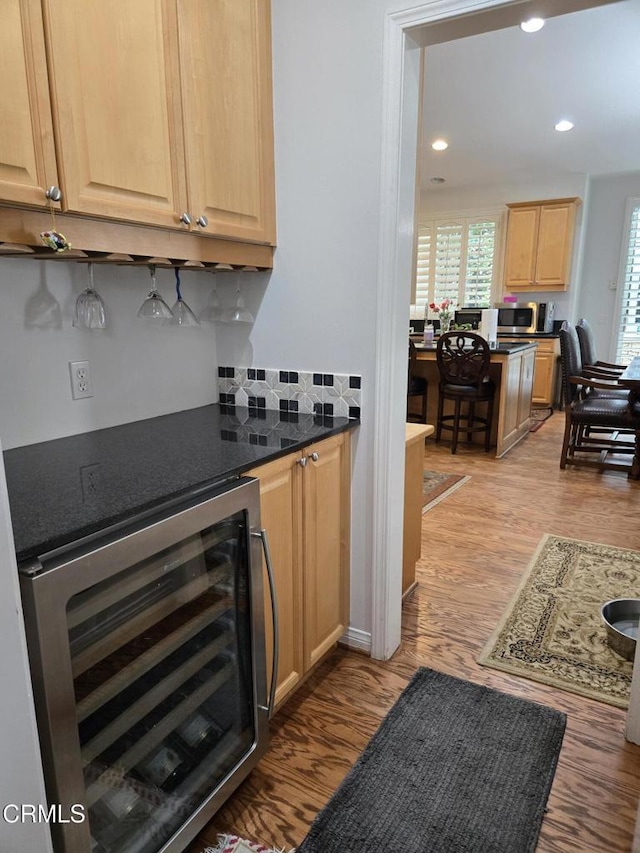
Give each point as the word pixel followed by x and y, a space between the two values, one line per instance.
pixel 166 674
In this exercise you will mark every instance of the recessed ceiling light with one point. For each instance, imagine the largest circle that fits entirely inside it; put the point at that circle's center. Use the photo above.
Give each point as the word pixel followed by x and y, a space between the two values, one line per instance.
pixel 439 145
pixel 563 125
pixel 533 25
pixel 436 180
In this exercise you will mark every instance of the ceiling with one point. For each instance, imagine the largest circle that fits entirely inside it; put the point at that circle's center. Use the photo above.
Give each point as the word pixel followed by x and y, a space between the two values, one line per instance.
pixel 495 98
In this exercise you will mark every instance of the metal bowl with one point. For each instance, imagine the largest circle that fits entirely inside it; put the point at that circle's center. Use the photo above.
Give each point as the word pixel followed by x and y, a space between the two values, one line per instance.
pixel 621 618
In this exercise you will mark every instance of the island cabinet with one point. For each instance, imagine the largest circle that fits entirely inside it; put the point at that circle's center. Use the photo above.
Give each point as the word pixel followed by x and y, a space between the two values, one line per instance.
pixel 305 509
pixel 539 245
pixel 27 152
pixel 545 379
pixel 162 112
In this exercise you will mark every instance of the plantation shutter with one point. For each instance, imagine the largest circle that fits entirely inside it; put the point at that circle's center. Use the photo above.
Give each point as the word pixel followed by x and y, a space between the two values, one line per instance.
pixel 423 267
pixel 481 244
pixel 629 334
pixel 456 260
pixel 447 262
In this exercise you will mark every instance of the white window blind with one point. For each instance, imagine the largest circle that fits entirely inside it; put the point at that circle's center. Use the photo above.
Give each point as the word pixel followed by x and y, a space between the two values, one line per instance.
pixel 456 259
pixel 629 334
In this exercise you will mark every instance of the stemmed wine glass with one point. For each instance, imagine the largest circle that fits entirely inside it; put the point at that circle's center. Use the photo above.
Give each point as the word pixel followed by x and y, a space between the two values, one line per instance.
pixel 89 311
pixel 182 314
pixel 212 312
pixel 238 313
pixel 154 305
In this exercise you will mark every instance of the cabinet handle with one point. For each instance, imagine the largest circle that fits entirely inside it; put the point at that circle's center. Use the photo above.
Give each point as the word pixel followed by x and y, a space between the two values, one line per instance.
pixel 53 193
pixel 302 462
pixel 274 618
pixel 186 219
pixel 202 221
pixel 315 456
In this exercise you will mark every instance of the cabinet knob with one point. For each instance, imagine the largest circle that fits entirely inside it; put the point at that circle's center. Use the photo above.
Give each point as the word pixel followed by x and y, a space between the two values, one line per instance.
pixel 302 462
pixel 202 221
pixel 314 456
pixel 53 193
pixel 186 219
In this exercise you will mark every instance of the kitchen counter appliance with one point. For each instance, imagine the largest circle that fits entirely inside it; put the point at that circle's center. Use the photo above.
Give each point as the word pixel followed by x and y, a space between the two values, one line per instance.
pixel 527 318
pixel 147 653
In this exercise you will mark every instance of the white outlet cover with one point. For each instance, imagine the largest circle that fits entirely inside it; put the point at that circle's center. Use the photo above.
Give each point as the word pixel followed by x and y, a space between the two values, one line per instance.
pixel 80 374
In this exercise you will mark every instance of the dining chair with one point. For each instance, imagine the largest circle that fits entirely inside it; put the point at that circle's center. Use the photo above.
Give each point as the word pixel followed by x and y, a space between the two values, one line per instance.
pixel 417 386
pixel 587 343
pixel 600 419
pixel 463 360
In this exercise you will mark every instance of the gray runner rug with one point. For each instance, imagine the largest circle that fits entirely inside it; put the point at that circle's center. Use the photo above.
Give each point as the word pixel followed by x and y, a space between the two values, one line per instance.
pixel 453 768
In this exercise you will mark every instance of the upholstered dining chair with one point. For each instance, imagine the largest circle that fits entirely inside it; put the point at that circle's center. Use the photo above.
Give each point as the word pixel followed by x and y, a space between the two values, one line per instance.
pixel 417 386
pixel 600 418
pixel 463 360
pixel 587 343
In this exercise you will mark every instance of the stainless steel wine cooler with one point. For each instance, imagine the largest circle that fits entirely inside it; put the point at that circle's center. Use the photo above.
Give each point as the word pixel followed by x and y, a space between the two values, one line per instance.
pixel 148 664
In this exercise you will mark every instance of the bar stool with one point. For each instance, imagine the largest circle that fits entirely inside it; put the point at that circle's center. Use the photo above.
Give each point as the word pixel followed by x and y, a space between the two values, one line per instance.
pixel 463 360
pixel 417 386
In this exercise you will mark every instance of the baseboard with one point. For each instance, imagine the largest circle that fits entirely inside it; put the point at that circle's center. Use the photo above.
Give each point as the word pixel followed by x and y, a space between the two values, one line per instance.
pixel 358 640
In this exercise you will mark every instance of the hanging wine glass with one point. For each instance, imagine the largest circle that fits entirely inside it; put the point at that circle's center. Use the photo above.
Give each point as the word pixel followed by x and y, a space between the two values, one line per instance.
pixel 212 312
pixel 154 305
pixel 182 314
pixel 89 311
pixel 239 313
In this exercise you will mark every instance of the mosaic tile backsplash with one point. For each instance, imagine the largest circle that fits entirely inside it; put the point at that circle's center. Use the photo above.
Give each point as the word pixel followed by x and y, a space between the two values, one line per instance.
pixel 329 394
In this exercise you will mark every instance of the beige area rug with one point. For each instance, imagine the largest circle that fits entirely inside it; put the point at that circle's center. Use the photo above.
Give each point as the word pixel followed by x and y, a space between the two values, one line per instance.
pixel 552 630
pixel 436 486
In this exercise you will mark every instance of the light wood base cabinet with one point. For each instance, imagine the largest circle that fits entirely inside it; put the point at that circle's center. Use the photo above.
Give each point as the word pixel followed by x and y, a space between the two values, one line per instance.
pixel 305 509
pixel 545 378
pixel 415 437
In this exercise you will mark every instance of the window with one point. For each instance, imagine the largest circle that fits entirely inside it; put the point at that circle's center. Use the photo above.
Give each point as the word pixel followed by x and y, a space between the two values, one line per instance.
pixel 629 328
pixel 457 260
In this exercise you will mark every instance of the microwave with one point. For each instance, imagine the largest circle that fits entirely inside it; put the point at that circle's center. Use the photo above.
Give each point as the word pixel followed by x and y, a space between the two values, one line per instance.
pixel 525 317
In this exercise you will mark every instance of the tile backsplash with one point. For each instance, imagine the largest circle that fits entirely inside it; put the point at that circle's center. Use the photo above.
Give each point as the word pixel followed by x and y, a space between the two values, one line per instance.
pixel 302 391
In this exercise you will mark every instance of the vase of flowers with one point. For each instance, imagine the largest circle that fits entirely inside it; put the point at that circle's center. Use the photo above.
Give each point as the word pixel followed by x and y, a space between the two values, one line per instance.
pixel 444 311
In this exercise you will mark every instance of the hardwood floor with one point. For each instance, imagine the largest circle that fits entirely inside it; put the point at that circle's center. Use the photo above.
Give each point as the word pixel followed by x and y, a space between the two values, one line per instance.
pixel 475 546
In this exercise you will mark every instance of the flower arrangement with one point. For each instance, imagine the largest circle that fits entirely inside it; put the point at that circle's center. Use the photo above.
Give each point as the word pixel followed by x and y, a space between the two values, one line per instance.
pixel 444 310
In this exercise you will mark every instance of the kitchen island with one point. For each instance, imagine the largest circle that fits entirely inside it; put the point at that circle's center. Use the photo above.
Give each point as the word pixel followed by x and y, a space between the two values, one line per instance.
pixel 512 370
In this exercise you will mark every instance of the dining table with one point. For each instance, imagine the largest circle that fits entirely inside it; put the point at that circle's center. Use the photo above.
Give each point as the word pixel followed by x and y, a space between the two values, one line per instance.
pixel 630 378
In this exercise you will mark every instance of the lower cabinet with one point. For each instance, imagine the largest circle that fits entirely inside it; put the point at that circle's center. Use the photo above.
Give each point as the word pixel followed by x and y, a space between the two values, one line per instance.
pixel 545 377
pixel 305 509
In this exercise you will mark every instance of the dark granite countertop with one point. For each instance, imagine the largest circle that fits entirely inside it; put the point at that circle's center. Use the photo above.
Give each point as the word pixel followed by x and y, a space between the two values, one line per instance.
pixel 63 490
pixel 503 348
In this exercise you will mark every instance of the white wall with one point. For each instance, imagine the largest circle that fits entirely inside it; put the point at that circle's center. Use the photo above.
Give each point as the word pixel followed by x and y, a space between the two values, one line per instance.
pixel 319 310
pixel 603 232
pixel 139 369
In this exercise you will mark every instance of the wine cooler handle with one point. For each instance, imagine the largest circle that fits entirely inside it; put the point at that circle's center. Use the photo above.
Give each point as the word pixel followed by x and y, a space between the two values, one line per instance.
pixel 274 616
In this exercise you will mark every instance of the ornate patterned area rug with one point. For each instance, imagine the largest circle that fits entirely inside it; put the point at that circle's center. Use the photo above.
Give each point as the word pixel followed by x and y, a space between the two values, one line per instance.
pixel 436 486
pixel 234 844
pixel 552 630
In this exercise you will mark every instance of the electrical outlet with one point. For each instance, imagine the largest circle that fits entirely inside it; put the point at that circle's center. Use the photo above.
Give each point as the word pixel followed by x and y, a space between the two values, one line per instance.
pixel 80 380
pixel 90 480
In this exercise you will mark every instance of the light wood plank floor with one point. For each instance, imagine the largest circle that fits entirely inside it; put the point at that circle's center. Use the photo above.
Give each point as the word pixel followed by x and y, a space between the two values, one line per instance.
pixel 476 544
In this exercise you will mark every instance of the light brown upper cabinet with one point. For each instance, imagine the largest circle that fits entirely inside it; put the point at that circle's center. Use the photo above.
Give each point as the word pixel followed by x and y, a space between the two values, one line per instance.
pixel 27 153
pixel 163 114
pixel 539 244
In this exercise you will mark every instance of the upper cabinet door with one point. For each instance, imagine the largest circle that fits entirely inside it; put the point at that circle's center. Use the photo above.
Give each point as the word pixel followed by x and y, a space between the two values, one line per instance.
pixel 225 64
pixel 521 246
pixel 114 82
pixel 27 153
pixel 555 244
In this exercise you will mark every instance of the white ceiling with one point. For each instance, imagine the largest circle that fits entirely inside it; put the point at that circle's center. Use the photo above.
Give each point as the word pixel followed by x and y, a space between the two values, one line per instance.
pixel 495 97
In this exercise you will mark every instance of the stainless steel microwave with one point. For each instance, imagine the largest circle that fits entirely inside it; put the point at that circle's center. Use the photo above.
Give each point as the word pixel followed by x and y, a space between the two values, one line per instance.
pixel 525 317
